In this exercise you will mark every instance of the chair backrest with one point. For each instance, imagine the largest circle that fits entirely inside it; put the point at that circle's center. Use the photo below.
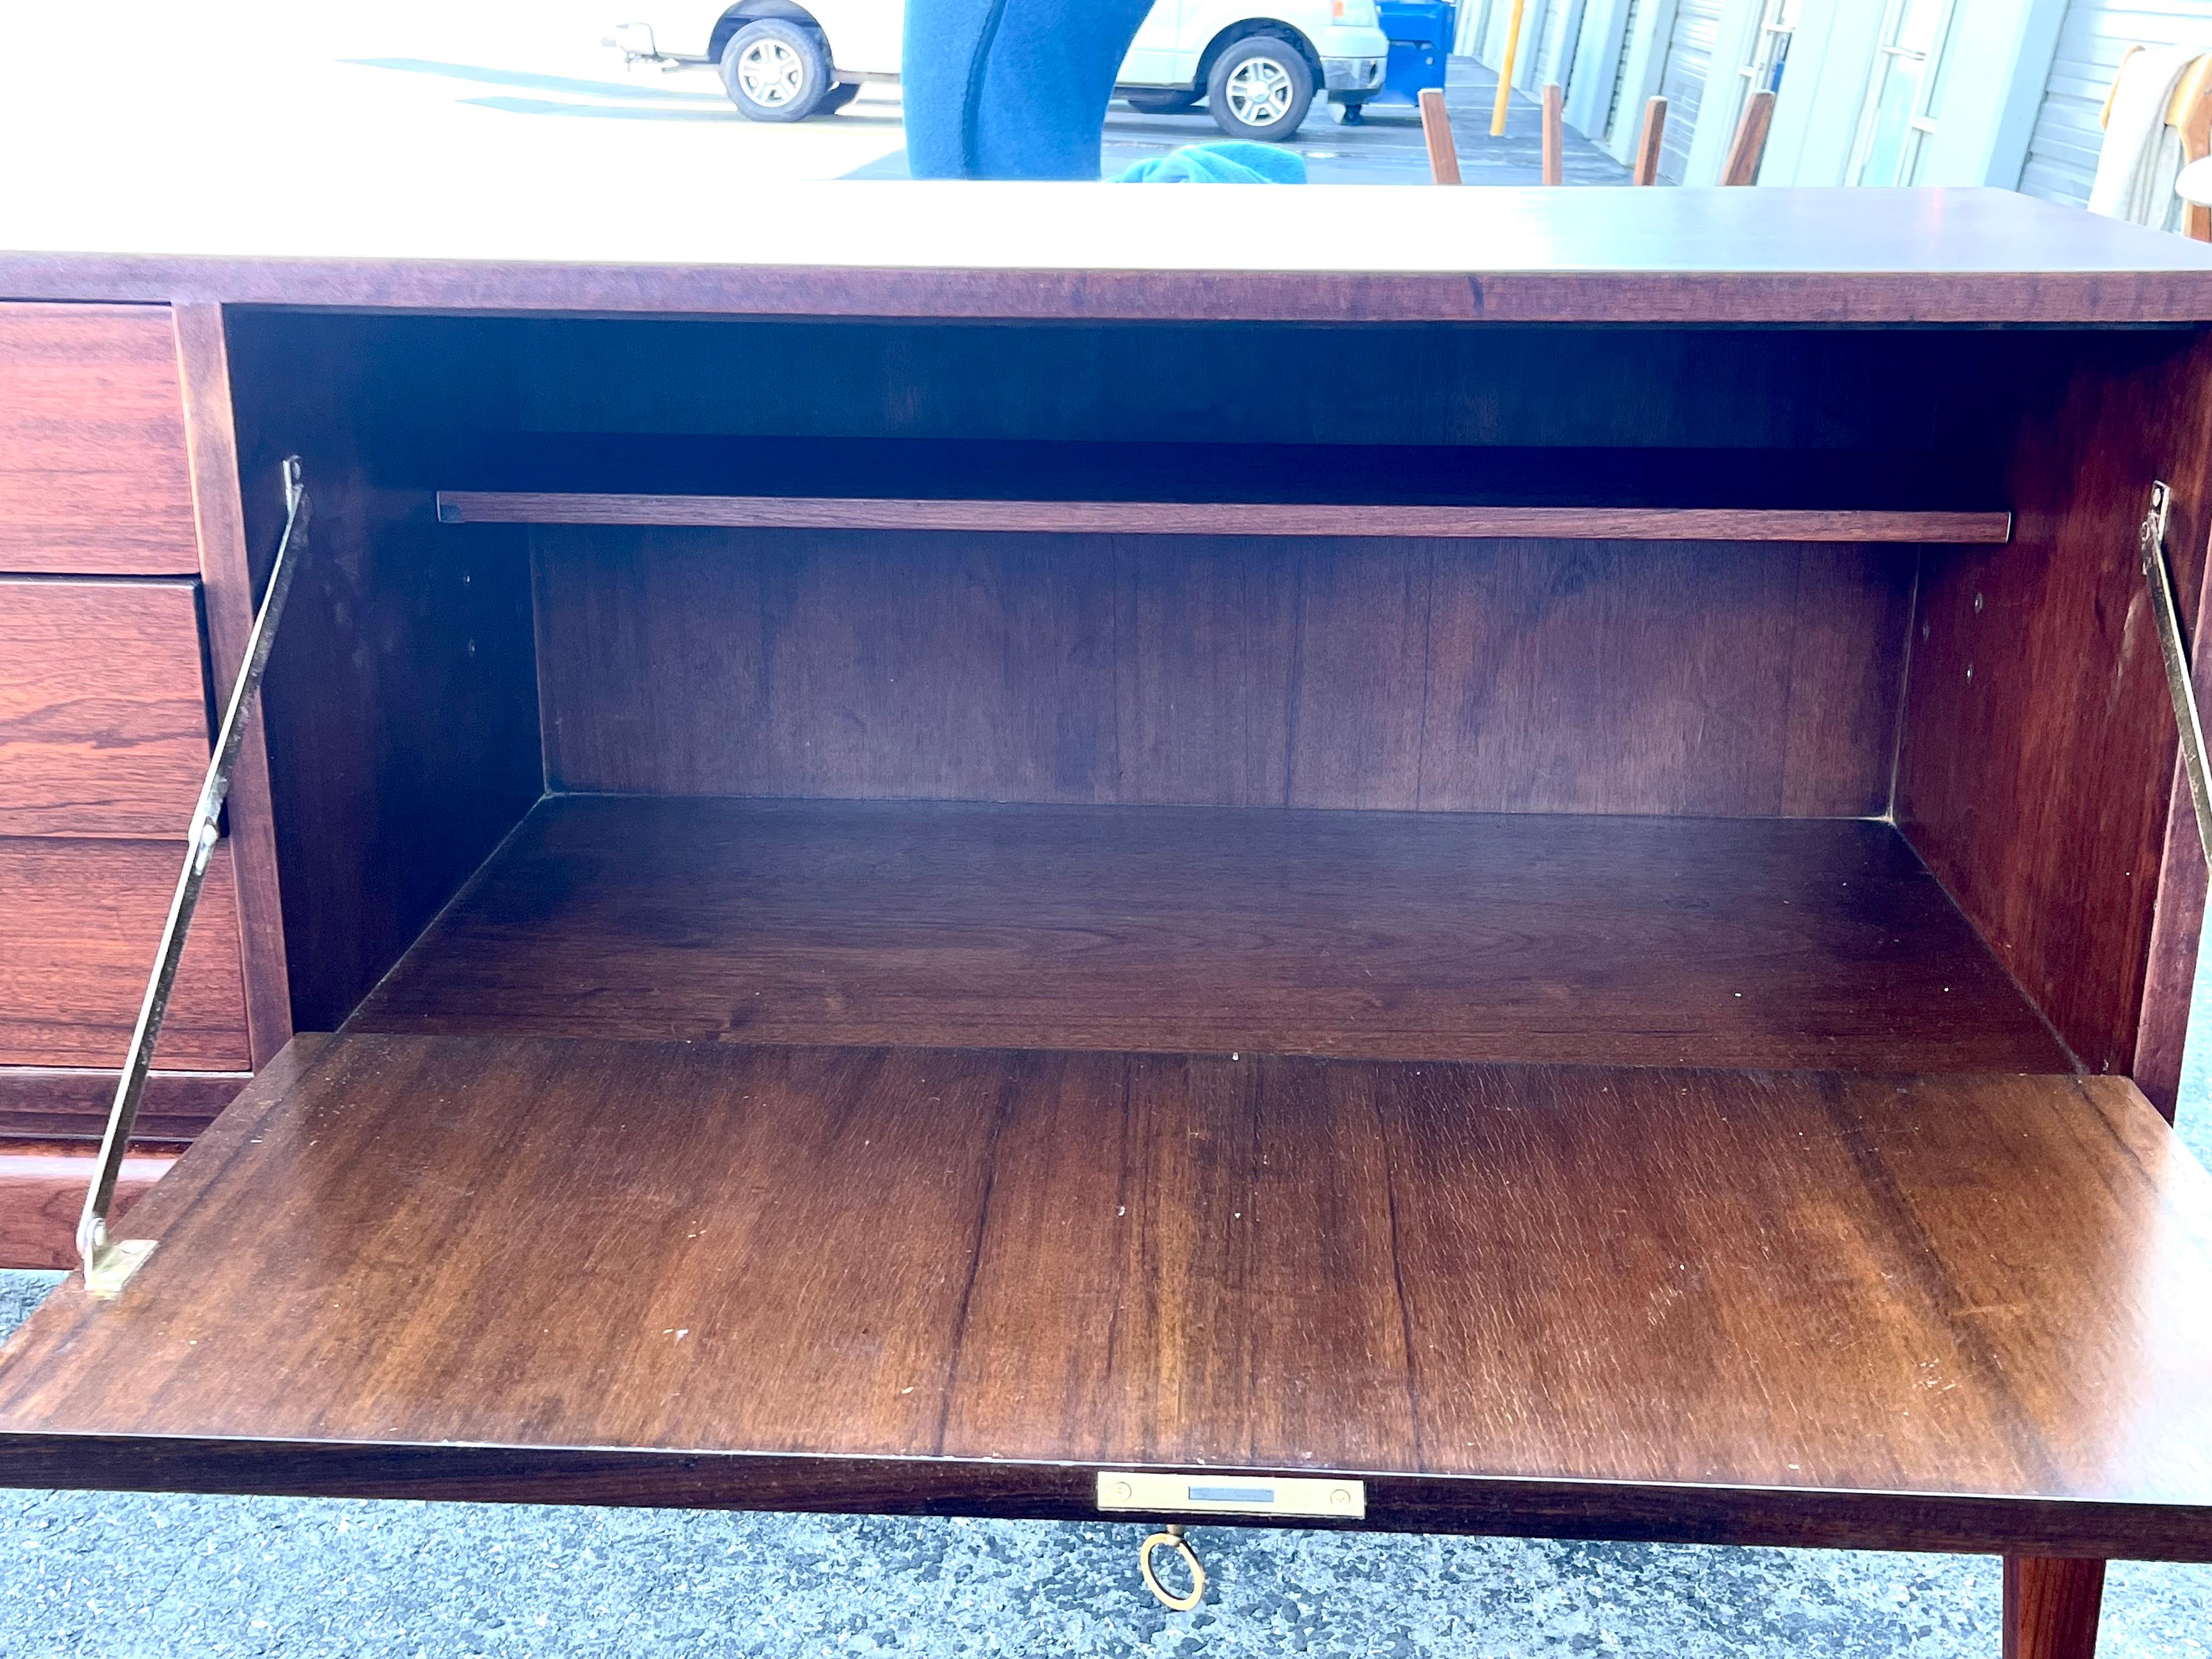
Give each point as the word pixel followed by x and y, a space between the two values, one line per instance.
pixel 1748 146
pixel 1647 144
pixel 1436 129
pixel 2188 112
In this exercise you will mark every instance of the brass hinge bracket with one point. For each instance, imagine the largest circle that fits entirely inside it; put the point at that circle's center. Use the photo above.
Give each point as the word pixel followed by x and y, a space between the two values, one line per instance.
pixel 2174 650
pixel 108 1263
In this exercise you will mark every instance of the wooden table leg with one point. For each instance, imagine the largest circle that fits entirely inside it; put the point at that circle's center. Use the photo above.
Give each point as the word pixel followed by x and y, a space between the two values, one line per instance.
pixel 2050 1605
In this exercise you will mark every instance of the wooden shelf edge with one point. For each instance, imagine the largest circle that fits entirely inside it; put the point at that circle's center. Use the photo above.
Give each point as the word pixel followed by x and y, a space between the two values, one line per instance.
pixel 1856 525
pixel 1492 1506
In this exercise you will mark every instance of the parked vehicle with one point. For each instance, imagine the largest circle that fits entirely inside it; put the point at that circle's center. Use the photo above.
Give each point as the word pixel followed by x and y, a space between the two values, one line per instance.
pixel 1256 70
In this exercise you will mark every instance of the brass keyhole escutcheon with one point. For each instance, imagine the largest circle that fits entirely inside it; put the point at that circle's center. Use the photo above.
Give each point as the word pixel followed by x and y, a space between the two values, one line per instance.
pixel 1172 1539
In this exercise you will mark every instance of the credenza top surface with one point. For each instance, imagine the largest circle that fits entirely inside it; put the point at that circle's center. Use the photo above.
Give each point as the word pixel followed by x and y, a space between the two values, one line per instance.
pixel 1375 253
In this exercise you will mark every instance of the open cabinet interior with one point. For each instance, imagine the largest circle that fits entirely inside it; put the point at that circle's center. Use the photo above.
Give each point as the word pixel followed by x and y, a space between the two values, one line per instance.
pixel 911 910
pixel 618 641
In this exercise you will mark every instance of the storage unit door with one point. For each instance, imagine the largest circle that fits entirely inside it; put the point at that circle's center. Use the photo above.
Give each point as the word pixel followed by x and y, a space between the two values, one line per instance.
pixel 1682 80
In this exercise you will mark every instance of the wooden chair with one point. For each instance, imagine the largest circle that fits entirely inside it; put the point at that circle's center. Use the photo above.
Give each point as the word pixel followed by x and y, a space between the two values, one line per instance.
pixel 2189 113
pixel 1436 129
pixel 1444 153
pixel 1748 146
pixel 1646 171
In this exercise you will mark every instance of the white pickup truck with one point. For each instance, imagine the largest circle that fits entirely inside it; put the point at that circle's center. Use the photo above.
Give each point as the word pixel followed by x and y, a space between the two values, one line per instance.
pixel 1257 72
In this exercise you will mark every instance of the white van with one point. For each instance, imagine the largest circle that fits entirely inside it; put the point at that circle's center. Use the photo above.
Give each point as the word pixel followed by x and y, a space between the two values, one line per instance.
pixel 1257 71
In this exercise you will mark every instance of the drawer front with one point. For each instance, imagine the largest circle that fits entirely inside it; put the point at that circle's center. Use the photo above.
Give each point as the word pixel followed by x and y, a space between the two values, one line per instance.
pixel 103 707
pixel 94 473
pixel 78 932
pixel 42 1102
pixel 42 1192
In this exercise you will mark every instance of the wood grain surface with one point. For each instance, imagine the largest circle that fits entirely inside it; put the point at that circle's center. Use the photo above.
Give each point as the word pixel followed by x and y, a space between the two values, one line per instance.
pixel 42 1187
pixel 103 707
pixel 1230 518
pixel 78 932
pixel 1070 250
pixel 2038 754
pixel 401 703
pixel 1627 677
pixel 93 476
pixel 1633 941
pixel 231 595
pixel 2050 1607
pixel 1951 1312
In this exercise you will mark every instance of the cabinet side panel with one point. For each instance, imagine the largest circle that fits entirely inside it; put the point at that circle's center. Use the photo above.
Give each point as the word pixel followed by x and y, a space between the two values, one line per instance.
pixel 2037 763
pixel 401 699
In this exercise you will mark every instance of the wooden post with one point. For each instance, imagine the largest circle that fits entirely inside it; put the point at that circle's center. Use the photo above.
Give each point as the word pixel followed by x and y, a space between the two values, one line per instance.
pixel 1505 71
pixel 1749 144
pixel 1647 146
pixel 1555 143
pixel 1435 128
pixel 2050 1607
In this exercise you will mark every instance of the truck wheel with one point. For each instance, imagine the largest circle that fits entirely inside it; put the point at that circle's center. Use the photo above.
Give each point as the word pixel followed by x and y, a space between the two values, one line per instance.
pixel 1163 101
pixel 1260 88
pixel 775 70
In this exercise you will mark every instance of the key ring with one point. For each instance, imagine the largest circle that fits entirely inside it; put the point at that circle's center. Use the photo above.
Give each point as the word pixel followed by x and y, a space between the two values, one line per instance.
pixel 1174 1539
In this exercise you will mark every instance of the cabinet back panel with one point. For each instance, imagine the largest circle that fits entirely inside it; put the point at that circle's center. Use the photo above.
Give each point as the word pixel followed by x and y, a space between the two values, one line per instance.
pixel 1671 677
pixel 1223 383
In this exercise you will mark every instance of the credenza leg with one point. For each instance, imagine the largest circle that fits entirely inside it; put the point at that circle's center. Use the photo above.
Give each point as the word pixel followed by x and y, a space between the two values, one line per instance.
pixel 2050 1605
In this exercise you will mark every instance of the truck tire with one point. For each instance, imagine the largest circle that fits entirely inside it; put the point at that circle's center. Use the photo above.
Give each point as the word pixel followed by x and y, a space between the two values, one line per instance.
pixel 776 70
pixel 1260 88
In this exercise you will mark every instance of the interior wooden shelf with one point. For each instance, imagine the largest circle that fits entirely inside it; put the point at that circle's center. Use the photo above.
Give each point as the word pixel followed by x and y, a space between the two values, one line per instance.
pixel 1638 941
pixel 1944 1312
pixel 1230 519
pixel 1274 490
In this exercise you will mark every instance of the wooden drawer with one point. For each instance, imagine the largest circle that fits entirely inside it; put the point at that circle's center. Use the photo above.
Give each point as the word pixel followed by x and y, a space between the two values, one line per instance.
pixel 103 707
pixel 94 472
pixel 70 1104
pixel 76 941
pixel 42 1187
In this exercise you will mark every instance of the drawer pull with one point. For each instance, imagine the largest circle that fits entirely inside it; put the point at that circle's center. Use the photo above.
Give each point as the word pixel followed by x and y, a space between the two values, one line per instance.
pixel 108 1263
pixel 1172 1539
pixel 1156 1493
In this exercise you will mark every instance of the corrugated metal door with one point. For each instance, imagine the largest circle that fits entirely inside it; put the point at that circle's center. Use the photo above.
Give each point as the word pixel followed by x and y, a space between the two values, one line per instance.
pixel 1530 72
pixel 1620 70
pixel 2062 155
pixel 1682 80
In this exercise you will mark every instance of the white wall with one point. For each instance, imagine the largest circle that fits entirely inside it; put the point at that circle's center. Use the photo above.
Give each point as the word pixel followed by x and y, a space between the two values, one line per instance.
pixel 1816 112
pixel 1997 61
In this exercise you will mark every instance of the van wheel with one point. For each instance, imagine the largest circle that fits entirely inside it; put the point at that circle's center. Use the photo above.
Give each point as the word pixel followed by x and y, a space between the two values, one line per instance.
pixel 776 71
pixel 1260 88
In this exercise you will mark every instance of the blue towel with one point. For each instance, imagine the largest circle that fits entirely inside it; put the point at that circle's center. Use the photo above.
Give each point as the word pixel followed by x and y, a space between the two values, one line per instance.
pixel 1012 88
pixel 1235 162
